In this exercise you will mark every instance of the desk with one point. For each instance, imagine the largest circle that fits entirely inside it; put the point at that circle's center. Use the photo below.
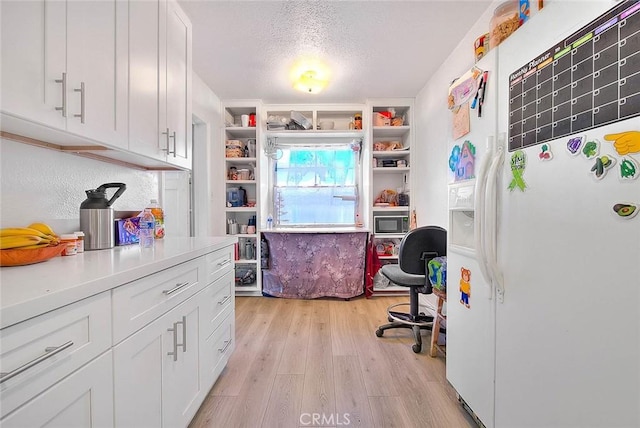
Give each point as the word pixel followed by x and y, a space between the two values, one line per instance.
pixel 435 331
pixel 309 265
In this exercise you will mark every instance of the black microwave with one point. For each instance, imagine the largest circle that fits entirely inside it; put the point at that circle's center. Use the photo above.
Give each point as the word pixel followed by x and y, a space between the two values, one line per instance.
pixel 396 224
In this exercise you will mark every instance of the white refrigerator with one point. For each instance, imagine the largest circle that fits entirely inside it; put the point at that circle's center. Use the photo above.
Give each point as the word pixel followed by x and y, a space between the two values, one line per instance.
pixel 548 334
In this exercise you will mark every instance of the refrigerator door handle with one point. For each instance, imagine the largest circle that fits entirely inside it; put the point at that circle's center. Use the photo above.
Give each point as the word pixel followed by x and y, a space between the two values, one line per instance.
pixel 491 221
pixel 480 213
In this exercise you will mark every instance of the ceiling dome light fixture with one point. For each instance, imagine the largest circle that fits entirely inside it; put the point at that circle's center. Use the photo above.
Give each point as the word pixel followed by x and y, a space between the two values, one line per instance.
pixel 310 82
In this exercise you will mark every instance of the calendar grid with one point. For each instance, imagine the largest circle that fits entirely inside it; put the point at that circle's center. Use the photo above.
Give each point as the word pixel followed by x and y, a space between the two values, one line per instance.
pixel 590 79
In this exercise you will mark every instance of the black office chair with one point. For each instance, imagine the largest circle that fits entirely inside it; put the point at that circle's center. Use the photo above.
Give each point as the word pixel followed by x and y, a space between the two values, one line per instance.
pixel 416 249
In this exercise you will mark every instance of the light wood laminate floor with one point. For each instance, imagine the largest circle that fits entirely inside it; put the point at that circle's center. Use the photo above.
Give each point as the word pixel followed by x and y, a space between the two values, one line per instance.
pixel 301 363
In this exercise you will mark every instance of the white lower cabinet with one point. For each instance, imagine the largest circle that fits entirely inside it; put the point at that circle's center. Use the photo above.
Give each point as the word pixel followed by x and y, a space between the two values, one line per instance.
pixel 173 333
pixel 37 353
pixel 217 348
pixel 163 372
pixel 83 399
pixel 217 328
pixel 156 371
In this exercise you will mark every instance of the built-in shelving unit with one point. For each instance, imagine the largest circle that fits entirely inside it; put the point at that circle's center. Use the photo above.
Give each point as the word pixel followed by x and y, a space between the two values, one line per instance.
pixel 385 164
pixel 391 145
pixel 242 189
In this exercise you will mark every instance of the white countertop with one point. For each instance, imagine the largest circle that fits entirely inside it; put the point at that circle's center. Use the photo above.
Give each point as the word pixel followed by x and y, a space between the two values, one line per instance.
pixel 28 291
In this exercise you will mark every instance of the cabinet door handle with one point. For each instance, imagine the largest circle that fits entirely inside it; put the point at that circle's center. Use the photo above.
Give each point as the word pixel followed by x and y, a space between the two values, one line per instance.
pixel 224 263
pixel 225 300
pixel 175 341
pixel 167 134
pixel 227 343
pixel 175 145
pixel 48 353
pixel 63 81
pixel 184 333
pixel 176 288
pixel 81 90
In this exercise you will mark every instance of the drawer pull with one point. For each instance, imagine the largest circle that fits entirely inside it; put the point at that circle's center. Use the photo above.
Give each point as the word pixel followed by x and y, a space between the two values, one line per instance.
pixel 176 288
pixel 49 352
pixel 225 300
pixel 227 262
pixel 224 348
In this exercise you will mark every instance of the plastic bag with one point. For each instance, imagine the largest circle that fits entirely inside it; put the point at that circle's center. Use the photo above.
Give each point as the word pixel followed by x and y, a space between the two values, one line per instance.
pixel 380 281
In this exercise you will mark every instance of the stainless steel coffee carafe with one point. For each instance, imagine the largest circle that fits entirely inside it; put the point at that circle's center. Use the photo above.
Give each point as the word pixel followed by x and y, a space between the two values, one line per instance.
pixel 96 217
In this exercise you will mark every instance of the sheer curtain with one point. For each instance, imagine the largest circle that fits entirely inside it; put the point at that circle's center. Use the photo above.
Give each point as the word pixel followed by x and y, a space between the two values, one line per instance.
pixel 316 184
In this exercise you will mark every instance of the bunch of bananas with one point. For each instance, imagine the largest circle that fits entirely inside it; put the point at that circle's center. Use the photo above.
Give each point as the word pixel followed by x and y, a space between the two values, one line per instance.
pixel 36 235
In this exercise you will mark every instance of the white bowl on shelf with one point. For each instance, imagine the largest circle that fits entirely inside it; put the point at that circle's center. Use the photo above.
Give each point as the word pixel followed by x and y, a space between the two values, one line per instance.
pixel 326 125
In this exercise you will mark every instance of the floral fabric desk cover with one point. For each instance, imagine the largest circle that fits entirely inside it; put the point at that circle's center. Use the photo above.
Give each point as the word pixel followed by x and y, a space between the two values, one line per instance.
pixel 312 265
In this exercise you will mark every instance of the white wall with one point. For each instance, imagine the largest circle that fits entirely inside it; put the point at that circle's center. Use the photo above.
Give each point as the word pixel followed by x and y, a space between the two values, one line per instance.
pixel 207 181
pixel 434 129
pixel 42 185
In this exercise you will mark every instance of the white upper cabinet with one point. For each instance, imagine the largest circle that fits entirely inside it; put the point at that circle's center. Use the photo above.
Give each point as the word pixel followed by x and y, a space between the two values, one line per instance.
pixel 144 78
pixel 33 60
pixel 97 70
pixel 160 82
pixel 175 86
pixel 64 65
pixel 111 73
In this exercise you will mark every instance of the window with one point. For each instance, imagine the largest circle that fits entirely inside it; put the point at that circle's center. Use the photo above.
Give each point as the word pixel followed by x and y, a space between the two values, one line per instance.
pixel 316 185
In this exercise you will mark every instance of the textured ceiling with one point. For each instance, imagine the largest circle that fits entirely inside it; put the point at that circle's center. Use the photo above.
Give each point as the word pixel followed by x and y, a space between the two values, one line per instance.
pixel 247 49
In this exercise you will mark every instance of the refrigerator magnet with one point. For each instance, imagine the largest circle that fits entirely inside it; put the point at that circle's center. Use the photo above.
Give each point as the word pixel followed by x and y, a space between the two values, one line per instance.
pixel 629 169
pixel 463 89
pixel 465 286
pixel 625 210
pixel 625 142
pixel 462 161
pixel 518 164
pixel 591 149
pixel 545 153
pixel 574 144
pixel 602 165
pixel 453 158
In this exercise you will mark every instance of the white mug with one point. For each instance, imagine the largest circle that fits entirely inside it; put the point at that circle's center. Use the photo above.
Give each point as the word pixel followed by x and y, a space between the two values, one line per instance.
pixel 244 120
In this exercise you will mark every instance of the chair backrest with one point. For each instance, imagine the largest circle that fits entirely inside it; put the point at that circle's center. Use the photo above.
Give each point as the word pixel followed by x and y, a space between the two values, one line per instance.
pixel 421 245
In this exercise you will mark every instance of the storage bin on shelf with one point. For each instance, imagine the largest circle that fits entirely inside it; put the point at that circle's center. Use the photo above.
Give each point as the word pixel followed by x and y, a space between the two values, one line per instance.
pixel 234 149
pixel 505 20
